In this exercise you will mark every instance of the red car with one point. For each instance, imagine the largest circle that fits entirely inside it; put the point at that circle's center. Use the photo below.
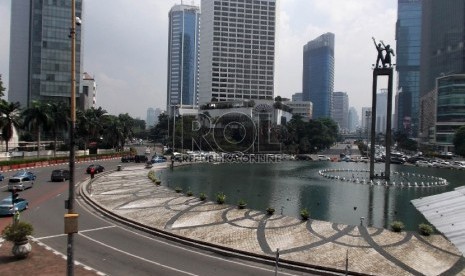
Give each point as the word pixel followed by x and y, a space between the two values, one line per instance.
pixel 97 168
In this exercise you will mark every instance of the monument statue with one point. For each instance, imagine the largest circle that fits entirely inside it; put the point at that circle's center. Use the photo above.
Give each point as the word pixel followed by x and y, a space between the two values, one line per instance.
pixel 386 59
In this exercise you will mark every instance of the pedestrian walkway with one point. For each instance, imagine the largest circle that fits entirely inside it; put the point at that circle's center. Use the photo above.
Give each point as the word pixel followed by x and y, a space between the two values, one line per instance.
pixel 130 194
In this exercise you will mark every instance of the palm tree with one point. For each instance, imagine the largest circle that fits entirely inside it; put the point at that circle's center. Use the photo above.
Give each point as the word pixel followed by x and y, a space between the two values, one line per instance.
pixel 127 125
pixel 90 124
pixel 10 119
pixel 58 112
pixel 35 118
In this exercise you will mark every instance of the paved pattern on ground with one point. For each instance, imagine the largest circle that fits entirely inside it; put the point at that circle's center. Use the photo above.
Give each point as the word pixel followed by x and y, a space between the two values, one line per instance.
pixel 129 193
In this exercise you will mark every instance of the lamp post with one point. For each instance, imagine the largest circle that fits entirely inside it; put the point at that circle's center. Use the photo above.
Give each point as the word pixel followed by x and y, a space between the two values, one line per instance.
pixel 71 218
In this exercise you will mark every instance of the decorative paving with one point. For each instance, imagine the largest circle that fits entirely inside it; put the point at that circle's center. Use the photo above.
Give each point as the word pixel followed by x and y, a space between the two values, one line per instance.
pixel 129 193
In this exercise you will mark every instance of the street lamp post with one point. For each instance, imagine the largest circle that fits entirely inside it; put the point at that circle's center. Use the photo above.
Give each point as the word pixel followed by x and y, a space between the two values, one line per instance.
pixel 71 218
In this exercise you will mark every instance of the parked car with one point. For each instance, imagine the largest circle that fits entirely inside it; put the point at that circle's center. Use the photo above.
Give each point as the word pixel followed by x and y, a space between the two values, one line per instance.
pixel 97 168
pixel 30 175
pixel 59 175
pixel 158 159
pixel 21 182
pixel 9 208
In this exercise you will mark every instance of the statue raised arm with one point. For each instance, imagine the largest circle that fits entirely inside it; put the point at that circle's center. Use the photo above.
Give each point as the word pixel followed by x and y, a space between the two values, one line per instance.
pixel 380 57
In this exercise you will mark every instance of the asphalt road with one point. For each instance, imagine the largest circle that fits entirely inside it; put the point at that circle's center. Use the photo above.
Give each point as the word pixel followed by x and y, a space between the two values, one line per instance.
pixel 117 249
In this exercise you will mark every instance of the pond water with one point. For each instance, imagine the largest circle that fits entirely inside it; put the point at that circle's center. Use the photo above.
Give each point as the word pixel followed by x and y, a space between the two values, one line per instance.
pixel 290 186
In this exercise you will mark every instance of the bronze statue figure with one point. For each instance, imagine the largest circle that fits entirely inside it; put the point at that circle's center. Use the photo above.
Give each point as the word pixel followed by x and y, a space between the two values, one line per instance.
pixel 386 59
pixel 380 57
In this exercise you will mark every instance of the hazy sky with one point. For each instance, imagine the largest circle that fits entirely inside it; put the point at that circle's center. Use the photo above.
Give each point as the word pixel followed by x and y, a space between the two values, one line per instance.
pixel 125 47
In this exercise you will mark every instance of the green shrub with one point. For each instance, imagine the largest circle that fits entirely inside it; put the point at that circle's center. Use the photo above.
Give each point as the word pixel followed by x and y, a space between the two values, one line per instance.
pixel 425 229
pixel 178 189
pixel 220 198
pixel 397 226
pixel 202 196
pixel 304 214
pixel 270 211
pixel 241 204
pixel 18 231
pixel 189 193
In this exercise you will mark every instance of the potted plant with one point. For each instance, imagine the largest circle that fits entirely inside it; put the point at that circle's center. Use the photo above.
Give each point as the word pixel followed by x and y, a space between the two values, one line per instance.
pixel 17 233
pixel 241 204
pixel 425 229
pixel 202 196
pixel 304 214
pixel 220 198
pixel 397 226
pixel 178 189
pixel 270 211
pixel 189 193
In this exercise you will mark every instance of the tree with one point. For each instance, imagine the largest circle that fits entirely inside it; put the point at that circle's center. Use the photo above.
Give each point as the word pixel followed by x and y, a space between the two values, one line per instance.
pixel 459 141
pixel 58 112
pixel 90 124
pixel 10 119
pixel 35 118
pixel 2 89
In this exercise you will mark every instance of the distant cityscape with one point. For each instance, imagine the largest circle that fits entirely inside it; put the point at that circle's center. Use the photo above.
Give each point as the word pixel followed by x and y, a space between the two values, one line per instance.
pixel 225 52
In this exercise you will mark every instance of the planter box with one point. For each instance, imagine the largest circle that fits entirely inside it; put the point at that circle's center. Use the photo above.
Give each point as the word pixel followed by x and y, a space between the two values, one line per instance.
pixel 45 163
pixel 5 168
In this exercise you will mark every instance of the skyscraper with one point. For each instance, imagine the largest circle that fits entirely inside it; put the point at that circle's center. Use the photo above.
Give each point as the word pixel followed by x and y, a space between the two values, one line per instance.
pixel 442 55
pixel 354 121
pixel 341 110
pixel 318 74
pixel 442 45
pixel 40 51
pixel 237 49
pixel 408 37
pixel 183 47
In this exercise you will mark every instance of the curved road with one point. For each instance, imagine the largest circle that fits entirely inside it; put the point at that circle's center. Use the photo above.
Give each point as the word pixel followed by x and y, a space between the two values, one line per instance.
pixel 116 249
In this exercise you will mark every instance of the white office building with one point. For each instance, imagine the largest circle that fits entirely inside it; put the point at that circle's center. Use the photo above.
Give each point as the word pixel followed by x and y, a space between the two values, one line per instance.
pixel 237 48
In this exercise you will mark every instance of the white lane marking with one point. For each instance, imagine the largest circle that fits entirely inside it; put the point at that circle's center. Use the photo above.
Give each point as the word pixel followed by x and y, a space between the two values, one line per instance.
pixel 183 248
pixel 137 257
pixel 81 231
pixel 96 229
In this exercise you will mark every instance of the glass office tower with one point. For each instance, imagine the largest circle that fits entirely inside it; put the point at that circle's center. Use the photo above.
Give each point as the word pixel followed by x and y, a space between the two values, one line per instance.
pixel 318 74
pixel 40 51
pixel 408 37
pixel 183 47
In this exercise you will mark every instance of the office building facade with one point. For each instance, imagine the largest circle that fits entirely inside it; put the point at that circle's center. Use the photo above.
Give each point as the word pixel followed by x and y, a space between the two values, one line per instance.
pixel 408 44
pixel 40 51
pixel 341 111
pixel 318 74
pixel 354 121
pixel 183 49
pixel 88 97
pixel 237 49
pixel 442 53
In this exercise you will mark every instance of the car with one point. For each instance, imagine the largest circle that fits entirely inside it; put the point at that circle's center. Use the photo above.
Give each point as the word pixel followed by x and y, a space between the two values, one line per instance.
pixel 158 159
pixel 97 168
pixel 28 174
pixel 8 208
pixel 140 159
pixel 21 182
pixel 323 158
pixel 127 158
pixel 59 175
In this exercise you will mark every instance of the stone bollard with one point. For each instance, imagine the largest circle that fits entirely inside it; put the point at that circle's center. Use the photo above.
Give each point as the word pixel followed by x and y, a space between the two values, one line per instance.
pixel 119 168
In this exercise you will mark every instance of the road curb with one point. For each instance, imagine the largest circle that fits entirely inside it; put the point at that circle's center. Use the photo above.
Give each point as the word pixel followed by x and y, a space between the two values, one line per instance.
pixel 223 250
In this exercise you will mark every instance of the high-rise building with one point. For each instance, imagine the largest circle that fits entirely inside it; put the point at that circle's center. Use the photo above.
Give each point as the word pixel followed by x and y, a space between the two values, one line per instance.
pixel 442 41
pixel 354 121
pixel 381 111
pixel 318 74
pixel 237 48
pixel 341 110
pixel 442 55
pixel 183 49
pixel 408 38
pixel 40 51
pixel 88 97
pixel 152 117
pixel 366 121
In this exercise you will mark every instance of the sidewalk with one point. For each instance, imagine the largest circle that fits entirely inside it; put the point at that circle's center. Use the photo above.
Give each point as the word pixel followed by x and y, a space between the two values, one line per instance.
pixel 132 196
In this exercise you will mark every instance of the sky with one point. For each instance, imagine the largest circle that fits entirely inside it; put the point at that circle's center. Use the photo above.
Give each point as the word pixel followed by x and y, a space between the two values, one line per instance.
pixel 125 47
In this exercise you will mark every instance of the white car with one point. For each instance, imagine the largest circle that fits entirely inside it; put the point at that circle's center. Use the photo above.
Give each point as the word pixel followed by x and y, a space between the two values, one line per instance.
pixel 323 158
pixel 422 163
